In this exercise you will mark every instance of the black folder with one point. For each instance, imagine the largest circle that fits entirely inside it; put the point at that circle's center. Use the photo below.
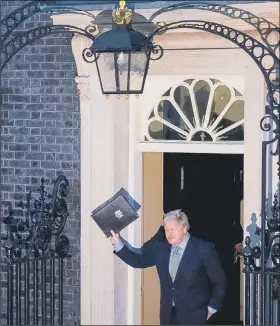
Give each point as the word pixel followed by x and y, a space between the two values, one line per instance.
pixel 116 213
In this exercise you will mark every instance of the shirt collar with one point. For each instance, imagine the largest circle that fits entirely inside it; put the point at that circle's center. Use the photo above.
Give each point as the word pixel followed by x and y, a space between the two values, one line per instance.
pixel 183 244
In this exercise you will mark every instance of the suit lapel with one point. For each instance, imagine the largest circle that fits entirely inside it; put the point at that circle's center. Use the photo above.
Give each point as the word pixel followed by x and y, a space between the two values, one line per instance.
pixel 188 254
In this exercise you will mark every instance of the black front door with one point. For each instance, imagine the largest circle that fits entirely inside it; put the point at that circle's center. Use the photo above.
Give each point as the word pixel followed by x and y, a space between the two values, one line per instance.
pixel 208 187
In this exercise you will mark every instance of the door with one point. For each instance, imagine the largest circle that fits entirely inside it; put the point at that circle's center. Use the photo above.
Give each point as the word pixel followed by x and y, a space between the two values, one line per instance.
pixel 197 115
pixel 208 187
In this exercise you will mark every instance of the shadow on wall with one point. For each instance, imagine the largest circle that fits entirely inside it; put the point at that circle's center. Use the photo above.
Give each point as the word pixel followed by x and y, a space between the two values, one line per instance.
pixel 251 229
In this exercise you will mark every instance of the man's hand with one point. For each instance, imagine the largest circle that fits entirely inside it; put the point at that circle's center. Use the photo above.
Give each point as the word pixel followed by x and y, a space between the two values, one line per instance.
pixel 209 315
pixel 238 247
pixel 115 239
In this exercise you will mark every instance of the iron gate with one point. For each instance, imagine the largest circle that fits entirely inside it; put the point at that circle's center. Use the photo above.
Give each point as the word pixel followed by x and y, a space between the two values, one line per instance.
pixel 36 251
pixel 262 285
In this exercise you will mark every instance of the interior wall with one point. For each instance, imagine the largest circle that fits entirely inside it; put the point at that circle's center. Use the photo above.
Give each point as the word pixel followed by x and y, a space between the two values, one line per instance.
pixel 152 219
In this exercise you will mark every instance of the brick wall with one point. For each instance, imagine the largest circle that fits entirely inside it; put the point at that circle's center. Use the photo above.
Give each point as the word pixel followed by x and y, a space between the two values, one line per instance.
pixel 40 136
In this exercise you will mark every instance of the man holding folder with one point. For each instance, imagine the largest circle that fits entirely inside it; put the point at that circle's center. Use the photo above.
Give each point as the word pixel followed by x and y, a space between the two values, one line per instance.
pixel 192 280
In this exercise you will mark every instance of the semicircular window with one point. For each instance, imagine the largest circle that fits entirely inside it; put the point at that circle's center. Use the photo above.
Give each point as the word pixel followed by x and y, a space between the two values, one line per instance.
pixel 198 110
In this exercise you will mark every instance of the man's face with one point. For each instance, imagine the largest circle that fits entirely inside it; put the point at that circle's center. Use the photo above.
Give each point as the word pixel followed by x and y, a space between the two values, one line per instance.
pixel 175 232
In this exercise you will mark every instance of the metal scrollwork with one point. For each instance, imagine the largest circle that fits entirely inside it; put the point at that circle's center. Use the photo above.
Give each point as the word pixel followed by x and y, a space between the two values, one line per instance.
pixel 271 243
pixel 59 205
pixel 90 56
pixel 276 288
pixel 16 18
pixel 273 225
pixel 250 255
pixel 271 122
pixel 92 29
pixel 39 234
pixel 268 31
pixel 12 47
pixel 266 59
pixel 156 52
pixel 269 251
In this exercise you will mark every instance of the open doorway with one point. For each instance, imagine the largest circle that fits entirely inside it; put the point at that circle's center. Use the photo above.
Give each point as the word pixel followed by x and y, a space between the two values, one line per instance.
pixel 209 188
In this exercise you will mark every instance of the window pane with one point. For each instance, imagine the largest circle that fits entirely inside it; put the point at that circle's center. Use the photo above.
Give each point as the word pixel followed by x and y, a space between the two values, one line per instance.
pixel 200 110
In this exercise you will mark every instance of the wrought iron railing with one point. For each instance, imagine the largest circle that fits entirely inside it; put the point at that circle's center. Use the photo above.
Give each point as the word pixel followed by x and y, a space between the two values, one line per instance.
pixel 262 287
pixel 36 251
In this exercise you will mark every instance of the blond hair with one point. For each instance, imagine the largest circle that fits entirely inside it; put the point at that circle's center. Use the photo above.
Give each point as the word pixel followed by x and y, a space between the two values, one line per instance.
pixel 178 216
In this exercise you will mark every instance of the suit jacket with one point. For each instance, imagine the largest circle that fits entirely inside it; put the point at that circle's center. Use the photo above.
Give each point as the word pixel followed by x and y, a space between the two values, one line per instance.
pixel 200 281
pixel 235 235
pixel 148 245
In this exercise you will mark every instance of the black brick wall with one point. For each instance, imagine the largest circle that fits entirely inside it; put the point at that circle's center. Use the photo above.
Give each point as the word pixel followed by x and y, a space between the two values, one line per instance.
pixel 40 136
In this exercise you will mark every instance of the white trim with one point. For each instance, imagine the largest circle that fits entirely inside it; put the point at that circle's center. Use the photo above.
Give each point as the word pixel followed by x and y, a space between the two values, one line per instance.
pixel 182 147
pixel 134 237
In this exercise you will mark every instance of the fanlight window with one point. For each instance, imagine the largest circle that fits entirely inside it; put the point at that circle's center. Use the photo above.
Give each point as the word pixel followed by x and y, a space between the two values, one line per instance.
pixel 198 110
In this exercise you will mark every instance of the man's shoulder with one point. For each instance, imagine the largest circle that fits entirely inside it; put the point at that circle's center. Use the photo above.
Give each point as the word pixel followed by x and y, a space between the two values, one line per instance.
pixel 162 243
pixel 201 244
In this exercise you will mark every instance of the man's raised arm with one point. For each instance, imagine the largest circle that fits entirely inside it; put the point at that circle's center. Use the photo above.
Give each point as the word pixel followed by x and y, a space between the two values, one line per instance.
pixel 141 259
pixel 148 245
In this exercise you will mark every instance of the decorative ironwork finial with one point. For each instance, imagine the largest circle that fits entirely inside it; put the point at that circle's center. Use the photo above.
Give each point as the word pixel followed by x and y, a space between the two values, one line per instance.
pixel 247 254
pixel 122 15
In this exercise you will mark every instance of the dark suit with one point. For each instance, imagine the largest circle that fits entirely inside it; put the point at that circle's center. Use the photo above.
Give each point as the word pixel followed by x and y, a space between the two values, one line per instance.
pixel 199 283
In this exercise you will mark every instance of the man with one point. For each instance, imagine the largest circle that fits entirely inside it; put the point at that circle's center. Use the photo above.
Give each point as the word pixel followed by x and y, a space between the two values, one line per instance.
pixel 160 236
pixel 192 281
pixel 229 314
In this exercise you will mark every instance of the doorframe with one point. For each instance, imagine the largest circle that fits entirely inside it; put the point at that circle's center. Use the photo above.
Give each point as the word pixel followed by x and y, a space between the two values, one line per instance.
pixel 194 147
pixel 254 98
pixel 187 149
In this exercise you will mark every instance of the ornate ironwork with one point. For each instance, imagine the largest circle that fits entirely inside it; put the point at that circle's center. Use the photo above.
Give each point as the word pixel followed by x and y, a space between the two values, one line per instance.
pixel 256 50
pixel 12 47
pixel 16 18
pixel 36 251
pixel 272 242
pixel 267 30
pixel 263 263
pixel 39 234
pixel 156 52
pixel 89 56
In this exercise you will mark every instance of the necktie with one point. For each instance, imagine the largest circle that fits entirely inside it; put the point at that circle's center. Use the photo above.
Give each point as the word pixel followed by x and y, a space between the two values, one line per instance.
pixel 175 261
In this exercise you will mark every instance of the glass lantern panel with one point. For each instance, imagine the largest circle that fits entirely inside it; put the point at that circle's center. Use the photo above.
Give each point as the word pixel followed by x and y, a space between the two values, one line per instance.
pixel 122 72
pixel 106 69
pixel 138 70
pixel 122 69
